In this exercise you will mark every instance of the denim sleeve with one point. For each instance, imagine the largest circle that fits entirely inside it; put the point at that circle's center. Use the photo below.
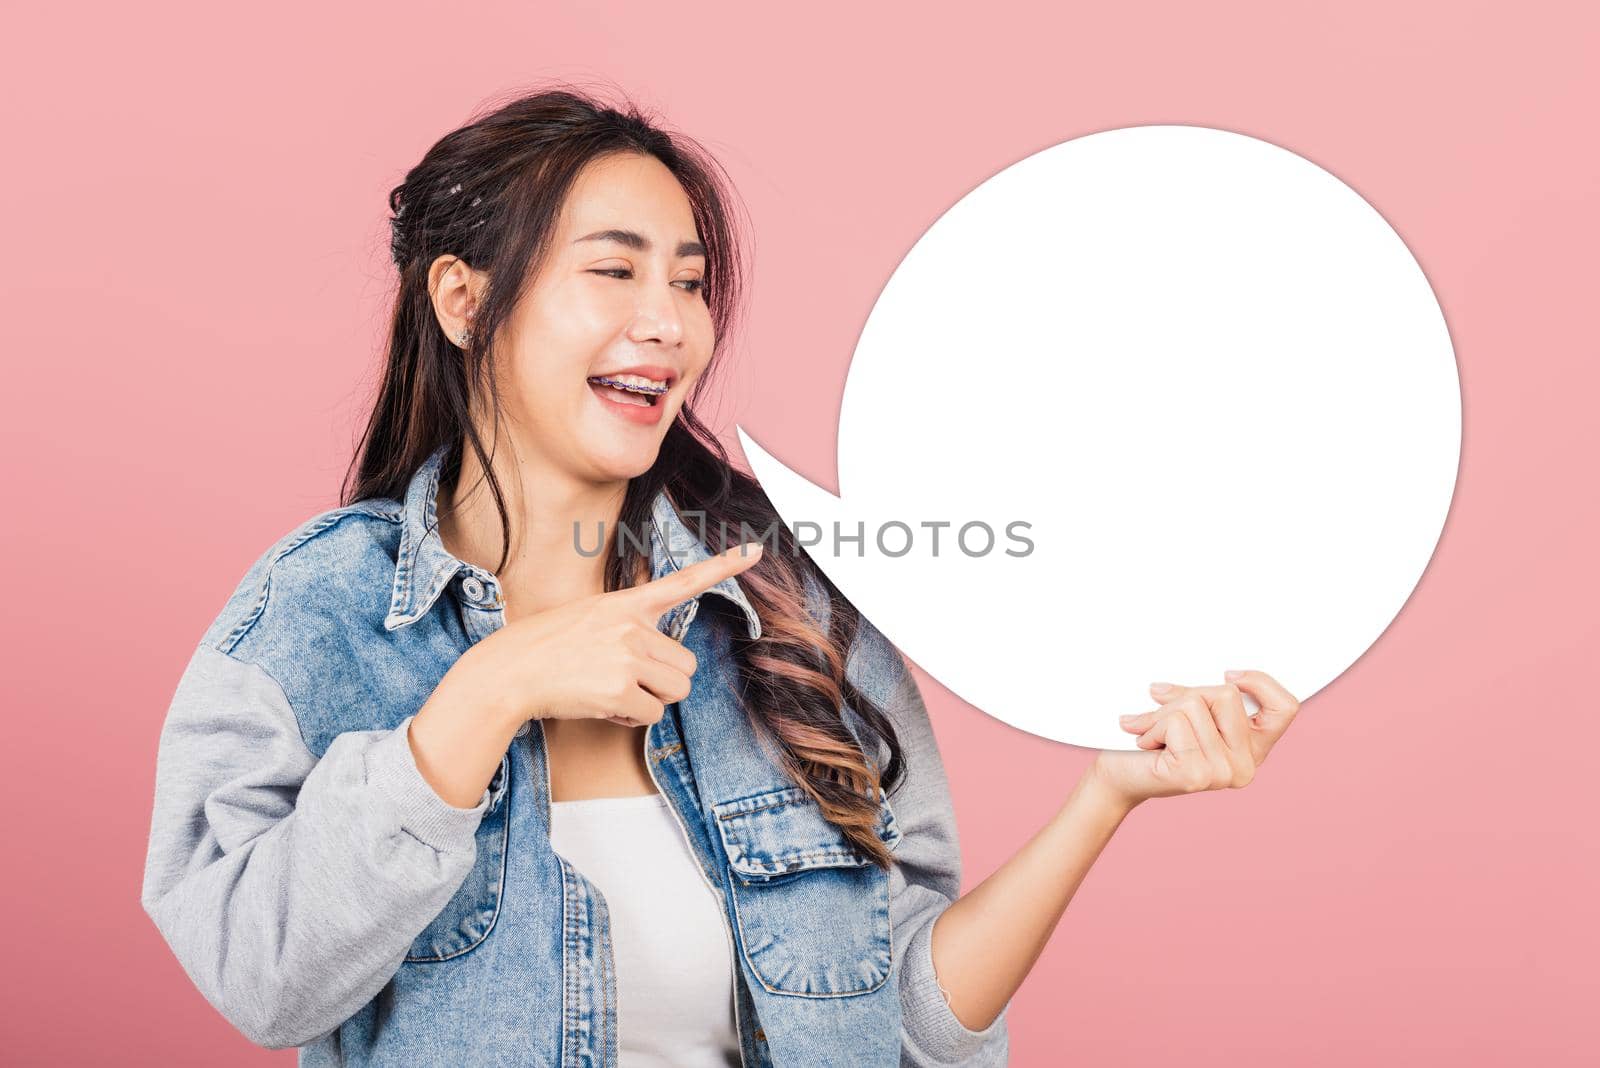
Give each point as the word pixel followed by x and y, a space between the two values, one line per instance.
pixel 925 881
pixel 291 888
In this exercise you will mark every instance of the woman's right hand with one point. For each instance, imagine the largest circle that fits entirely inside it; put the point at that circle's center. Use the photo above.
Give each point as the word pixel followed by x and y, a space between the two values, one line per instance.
pixel 599 657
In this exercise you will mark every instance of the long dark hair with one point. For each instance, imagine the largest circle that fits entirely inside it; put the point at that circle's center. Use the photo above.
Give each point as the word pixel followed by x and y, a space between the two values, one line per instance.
pixel 491 192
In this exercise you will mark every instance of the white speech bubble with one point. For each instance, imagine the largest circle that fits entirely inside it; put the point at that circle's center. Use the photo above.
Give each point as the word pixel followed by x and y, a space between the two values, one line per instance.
pixel 1206 372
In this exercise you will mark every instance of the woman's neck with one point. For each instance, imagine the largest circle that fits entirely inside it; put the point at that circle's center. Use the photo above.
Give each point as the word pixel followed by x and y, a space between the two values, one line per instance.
pixel 544 568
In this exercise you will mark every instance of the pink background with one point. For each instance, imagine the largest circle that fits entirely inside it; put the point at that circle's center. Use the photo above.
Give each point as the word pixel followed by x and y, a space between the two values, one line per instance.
pixel 196 276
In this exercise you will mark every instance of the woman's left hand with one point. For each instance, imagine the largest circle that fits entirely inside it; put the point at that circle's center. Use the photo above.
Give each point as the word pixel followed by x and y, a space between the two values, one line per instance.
pixel 1201 739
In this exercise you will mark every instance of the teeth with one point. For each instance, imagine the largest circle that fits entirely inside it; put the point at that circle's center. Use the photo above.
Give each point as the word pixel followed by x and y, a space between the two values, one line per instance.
pixel 633 383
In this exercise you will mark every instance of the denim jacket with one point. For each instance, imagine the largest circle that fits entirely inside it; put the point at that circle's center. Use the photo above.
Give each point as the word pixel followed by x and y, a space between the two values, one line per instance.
pixel 320 893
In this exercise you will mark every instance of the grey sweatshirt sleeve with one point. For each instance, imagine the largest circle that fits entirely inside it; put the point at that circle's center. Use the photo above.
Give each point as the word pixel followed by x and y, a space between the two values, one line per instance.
pixel 925 881
pixel 291 888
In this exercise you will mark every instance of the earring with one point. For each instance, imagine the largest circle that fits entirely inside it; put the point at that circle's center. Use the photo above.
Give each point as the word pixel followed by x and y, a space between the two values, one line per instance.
pixel 463 338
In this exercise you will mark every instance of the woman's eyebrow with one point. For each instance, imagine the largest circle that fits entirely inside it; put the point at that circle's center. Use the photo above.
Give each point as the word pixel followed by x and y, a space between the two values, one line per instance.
pixel 639 243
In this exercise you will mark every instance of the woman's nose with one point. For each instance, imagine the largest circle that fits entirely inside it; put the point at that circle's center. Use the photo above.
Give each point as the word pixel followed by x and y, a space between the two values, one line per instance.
pixel 657 318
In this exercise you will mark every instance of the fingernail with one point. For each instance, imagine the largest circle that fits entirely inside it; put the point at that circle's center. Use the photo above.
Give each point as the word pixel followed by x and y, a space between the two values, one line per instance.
pixel 1124 718
pixel 1232 675
pixel 1160 687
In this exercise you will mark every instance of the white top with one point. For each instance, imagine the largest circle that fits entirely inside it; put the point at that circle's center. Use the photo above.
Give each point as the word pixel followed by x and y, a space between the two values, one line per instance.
pixel 674 975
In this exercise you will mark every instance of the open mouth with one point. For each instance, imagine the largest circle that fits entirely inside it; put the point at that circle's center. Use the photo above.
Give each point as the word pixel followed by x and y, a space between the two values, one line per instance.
pixel 629 389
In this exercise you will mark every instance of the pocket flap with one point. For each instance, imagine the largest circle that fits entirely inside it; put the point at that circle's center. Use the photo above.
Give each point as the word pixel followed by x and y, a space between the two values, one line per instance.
pixel 469 916
pixel 783 831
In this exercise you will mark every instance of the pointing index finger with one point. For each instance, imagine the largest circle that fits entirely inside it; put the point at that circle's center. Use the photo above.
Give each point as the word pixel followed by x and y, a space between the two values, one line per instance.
pixel 668 590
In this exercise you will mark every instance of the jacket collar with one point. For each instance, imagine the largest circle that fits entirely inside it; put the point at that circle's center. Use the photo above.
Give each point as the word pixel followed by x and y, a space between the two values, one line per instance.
pixel 424 567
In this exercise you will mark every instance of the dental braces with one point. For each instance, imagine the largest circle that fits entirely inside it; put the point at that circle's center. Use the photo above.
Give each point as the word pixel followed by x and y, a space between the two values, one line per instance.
pixel 653 390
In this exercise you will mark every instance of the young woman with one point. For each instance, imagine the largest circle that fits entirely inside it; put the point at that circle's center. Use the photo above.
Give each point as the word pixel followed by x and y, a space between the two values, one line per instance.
pixel 472 770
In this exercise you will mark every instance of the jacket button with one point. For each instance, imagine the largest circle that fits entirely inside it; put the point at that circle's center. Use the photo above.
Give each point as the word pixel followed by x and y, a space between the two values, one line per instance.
pixel 761 1036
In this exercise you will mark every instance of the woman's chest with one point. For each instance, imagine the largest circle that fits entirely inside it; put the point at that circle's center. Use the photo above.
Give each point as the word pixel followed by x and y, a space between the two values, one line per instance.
pixel 593 759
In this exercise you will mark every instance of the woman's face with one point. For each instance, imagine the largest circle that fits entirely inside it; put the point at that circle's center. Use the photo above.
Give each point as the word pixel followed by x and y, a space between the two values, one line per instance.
pixel 618 297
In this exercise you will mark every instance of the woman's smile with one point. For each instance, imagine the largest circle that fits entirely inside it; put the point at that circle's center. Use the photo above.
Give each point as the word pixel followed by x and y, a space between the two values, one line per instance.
pixel 634 407
pixel 637 394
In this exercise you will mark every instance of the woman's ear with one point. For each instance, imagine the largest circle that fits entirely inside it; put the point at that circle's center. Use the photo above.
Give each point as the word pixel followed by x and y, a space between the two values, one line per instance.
pixel 456 289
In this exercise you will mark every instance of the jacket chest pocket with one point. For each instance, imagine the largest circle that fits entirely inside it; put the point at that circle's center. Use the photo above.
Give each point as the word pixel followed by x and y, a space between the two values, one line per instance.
pixel 469 916
pixel 812 911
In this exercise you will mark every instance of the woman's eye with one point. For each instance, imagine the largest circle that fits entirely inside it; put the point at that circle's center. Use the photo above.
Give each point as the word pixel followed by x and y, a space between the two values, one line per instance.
pixel 690 285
